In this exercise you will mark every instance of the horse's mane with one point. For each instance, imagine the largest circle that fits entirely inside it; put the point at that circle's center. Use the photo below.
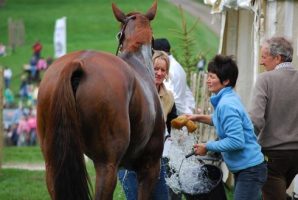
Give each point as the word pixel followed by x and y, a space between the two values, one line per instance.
pixel 141 35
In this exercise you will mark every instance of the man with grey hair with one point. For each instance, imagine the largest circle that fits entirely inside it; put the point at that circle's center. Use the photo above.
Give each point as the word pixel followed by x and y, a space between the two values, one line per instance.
pixel 274 113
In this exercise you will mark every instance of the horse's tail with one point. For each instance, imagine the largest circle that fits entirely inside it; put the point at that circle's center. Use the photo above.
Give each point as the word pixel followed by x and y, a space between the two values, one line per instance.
pixel 64 152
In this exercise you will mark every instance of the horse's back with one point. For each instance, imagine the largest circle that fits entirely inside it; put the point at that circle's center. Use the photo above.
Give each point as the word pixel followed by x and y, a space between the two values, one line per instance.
pixel 111 101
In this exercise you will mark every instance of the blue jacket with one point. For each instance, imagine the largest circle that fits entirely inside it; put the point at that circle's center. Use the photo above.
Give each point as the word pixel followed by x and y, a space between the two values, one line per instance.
pixel 237 140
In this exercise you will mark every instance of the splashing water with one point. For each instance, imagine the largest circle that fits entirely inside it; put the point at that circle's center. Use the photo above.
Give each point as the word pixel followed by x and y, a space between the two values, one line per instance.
pixel 187 175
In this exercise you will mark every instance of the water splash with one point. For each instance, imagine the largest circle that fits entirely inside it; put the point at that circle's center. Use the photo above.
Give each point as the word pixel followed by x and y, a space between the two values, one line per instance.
pixel 187 175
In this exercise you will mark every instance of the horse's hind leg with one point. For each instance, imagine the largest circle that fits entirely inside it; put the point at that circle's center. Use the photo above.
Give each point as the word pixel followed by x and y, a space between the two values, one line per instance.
pixel 106 180
pixel 147 178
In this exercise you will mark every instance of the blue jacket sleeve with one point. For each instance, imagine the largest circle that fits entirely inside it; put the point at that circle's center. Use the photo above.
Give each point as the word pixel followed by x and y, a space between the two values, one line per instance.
pixel 229 129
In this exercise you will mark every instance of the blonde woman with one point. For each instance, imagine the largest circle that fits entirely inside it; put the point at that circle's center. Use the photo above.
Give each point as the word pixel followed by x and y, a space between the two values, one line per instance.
pixel 161 65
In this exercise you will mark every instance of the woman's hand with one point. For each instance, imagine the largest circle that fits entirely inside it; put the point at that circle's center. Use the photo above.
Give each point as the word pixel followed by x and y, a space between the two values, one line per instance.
pixel 192 117
pixel 200 149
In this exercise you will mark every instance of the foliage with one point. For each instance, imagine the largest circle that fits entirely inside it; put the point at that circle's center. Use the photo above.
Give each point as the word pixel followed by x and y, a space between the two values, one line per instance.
pixel 187 53
pixel 187 41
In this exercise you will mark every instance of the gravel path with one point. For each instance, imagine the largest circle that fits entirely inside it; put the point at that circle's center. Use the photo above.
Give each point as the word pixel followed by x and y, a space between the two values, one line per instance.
pixel 202 12
pixel 26 166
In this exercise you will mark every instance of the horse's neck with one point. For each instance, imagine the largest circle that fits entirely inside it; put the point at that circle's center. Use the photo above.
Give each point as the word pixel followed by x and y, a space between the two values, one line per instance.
pixel 140 59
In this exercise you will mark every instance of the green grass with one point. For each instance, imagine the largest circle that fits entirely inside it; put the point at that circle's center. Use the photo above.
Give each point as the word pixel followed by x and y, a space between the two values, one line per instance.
pixel 90 25
pixel 22 185
pixel 16 184
pixel 22 155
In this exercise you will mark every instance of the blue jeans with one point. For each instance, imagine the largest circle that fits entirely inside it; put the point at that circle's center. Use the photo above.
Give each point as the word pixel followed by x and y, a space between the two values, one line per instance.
pixel 129 184
pixel 249 182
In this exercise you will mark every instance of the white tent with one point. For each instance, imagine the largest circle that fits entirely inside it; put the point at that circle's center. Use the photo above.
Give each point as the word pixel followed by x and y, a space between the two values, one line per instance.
pixel 245 23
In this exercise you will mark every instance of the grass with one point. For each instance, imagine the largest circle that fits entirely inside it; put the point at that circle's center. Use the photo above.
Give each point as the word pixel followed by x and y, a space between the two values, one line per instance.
pixel 22 185
pixel 22 155
pixel 90 25
pixel 16 184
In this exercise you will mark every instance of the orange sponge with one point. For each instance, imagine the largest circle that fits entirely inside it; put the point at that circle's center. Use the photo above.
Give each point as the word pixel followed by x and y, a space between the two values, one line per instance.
pixel 181 121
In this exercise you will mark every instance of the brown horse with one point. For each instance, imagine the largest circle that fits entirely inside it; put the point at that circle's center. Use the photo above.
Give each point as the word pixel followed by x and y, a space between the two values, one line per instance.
pixel 106 107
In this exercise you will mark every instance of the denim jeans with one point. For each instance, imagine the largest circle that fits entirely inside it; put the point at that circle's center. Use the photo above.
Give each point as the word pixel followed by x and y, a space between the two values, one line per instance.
pixel 128 180
pixel 249 182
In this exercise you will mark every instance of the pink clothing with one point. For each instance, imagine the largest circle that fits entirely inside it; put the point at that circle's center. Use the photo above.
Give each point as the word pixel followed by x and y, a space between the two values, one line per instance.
pixel 32 122
pixel 23 127
pixel 41 64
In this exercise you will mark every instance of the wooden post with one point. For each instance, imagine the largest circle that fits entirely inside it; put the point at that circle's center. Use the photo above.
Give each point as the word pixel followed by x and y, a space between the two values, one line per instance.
pixel 1 116
pixel 2 3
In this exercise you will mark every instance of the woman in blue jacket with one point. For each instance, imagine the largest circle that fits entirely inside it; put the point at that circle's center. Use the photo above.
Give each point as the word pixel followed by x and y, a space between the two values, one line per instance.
pixel 237 140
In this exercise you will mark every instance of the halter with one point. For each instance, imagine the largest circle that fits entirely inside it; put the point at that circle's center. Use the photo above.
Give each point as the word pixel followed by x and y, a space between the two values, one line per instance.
pixel 120 36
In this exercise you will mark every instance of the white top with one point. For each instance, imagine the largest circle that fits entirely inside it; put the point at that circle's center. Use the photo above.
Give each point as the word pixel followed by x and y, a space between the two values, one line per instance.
pixel 7 73
pixel 177 83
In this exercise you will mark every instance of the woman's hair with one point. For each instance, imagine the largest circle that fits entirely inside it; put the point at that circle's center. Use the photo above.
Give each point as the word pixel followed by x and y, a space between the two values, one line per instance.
pixel 280 46
pixel 161 55
pixel 225 68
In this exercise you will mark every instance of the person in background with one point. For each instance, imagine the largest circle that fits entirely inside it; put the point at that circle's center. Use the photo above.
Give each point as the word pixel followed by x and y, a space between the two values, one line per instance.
pixel 23 131
pixel 273 111
pixel 2 49
pixel 237 141
pixel 8 98
pixel 7 74
pixel 177 82
pixel 24 89
pixel 128 178
pixel 37 47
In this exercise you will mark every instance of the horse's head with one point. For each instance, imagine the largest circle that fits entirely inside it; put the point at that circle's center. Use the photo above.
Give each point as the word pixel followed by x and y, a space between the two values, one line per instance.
pixel 135 28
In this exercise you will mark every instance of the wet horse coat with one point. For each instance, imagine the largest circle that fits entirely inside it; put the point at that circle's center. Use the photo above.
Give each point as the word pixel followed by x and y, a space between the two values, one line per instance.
pixel 106 107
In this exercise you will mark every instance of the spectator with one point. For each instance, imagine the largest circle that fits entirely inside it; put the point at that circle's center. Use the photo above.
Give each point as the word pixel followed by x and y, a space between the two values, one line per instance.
pixel 177 82
pixel 23 131
pixel 33 69
pixel 2 50
pixel 14 134
pixel 32 124
pixel 37 47
pixel 273 111
pixel 237 141
pixel 41 64
pixel 24 90
pixel 8 98
pixel 201 63
pixel 7 77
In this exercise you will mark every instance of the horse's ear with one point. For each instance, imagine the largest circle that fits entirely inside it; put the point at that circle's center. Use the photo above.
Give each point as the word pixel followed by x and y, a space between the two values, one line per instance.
pixel 152 11
pixel 120 16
